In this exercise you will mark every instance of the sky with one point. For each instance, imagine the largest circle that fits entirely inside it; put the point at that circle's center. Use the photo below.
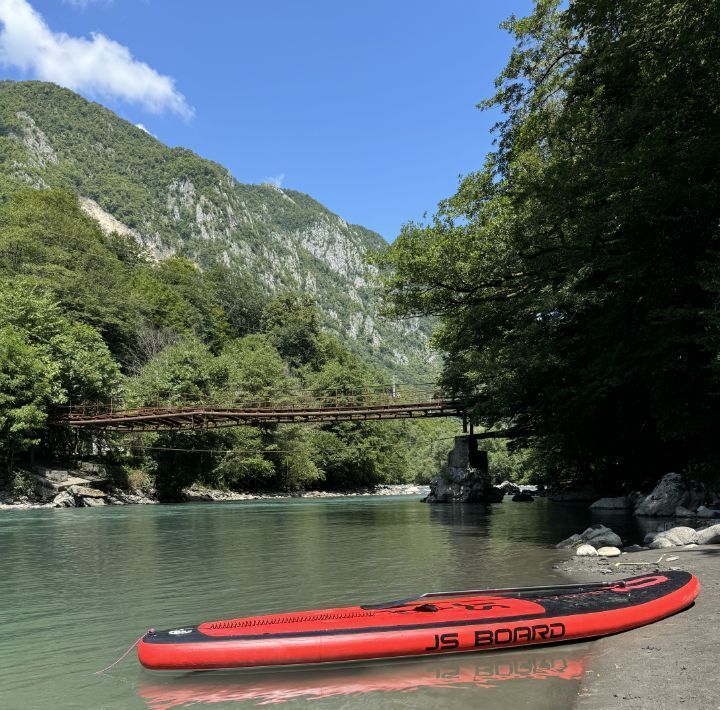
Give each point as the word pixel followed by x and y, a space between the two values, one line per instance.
pixel 368 106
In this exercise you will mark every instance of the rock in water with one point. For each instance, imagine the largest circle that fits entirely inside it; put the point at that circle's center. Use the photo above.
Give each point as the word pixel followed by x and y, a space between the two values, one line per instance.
pixel 609 552
pixel 704 512
pixel 672 490
pixel 465 479
pixel 586 551
pixel 522 497
pixel 509 488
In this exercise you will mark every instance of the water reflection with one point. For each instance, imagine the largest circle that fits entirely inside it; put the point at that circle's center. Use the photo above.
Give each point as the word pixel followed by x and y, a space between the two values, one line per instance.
pixel 505 676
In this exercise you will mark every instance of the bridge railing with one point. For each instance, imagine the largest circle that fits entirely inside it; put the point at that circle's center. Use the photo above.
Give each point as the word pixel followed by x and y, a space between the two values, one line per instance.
pixel 292 400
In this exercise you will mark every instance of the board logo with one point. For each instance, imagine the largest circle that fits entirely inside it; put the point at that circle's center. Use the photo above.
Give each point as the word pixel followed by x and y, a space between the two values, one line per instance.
pixel 180 632
pixel 499 637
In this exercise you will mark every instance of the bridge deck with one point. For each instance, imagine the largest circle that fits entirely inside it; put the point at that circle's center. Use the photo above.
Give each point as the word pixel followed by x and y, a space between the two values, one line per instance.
pixel 213 417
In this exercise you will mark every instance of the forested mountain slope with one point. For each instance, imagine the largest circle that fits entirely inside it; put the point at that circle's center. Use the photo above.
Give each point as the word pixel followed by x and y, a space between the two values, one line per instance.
pixel 174 202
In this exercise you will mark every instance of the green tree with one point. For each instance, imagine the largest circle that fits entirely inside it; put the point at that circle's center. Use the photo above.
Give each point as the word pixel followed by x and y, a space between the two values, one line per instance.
pixel 291 322
pixel 45 360
pixel 175 294
pixel 46 238
pixel 26 390
pixel 575 275
pixel 250 368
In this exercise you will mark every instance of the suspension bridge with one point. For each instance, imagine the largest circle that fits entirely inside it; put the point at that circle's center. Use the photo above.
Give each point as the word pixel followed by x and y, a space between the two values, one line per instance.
pixel 177 413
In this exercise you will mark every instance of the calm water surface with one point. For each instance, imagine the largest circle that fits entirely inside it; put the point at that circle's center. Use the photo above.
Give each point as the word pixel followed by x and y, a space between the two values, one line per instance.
pixel 77 587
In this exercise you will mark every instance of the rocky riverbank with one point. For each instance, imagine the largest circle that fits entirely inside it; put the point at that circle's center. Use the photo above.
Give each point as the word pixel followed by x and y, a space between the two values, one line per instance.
pixel 671 663
pixel 90 487
pixel 666 665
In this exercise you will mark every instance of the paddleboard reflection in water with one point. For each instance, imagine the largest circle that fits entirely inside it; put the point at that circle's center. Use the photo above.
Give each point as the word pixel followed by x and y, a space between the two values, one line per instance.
pixel 504 678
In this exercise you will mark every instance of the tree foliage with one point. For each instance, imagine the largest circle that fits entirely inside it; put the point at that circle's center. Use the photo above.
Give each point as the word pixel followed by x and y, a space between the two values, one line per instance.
pixel 46 360
pixel 576 274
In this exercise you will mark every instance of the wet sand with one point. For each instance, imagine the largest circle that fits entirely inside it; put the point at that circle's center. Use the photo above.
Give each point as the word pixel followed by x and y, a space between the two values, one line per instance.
pixel 664 666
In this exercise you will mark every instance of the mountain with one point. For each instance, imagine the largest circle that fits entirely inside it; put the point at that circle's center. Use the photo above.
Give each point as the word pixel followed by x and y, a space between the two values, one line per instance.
pixel 175 202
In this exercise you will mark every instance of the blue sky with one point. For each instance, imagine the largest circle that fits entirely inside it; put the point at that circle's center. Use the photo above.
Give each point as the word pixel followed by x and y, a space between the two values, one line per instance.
pixel 367 106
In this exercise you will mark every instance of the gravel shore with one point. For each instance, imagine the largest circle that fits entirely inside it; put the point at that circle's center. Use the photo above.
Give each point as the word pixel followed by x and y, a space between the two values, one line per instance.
pixel 664 666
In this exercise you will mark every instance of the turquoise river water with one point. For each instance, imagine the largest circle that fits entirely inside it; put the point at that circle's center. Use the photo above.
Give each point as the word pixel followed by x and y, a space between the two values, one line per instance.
pixel 78 586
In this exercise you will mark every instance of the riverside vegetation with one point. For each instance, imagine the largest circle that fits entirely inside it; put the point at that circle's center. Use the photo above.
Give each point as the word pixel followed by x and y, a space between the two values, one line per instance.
pixel 85 316
pixel 576 275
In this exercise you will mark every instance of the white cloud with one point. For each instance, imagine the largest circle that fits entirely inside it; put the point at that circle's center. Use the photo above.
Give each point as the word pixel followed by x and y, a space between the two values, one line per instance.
pixel 97 65
pixel 276 181
pixel 85 3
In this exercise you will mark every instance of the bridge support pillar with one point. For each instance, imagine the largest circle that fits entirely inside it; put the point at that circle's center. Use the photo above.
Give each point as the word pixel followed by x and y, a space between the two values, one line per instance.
pixel 466 478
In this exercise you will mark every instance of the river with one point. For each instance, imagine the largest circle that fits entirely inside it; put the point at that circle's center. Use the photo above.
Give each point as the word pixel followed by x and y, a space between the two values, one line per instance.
pixel 78 586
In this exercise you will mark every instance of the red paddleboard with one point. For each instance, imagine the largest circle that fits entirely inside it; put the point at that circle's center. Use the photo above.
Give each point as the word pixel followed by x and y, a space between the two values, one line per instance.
pixel 435 623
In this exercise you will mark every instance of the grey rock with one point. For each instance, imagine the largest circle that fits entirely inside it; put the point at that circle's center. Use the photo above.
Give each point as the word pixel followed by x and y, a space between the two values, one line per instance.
pixel 86 492
pixel 681 512
pixel 676 536
pixel 619 503
pixel 91 468
pixel 709 536
pixel 465 479
pixel 92 502
pixel 635 498
pixel 671 491
pixel 649 538
pixel 704 512
pixel 522 497
pixel 596 535
pixel 659 543
pixel 608 552
pixel 601 536
pixel 508 487
pixel 586 551
pixel 64 500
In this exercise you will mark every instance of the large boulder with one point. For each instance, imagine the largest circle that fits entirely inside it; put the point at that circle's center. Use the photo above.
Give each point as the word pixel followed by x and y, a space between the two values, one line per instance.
pixel 672 490
pixel 508 488
pixel 596 535
pixel 674 537
pixel 709 536
pixel 64 500
pixel 619 503
pixel 86 492
pixel 522 497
